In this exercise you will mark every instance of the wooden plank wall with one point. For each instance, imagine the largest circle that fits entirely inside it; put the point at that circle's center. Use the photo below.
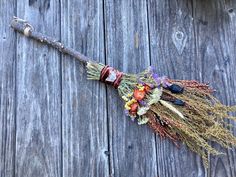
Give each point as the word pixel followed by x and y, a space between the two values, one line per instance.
pixel 55 123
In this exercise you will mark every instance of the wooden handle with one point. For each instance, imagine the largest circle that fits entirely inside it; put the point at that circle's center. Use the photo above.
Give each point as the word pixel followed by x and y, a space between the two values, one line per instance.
pixel 26 29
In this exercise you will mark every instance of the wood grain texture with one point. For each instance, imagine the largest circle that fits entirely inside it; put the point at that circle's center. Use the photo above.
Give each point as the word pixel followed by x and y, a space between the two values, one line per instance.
pixel 132 147
pixel 173 54
pixel 84 116
pixel 215 48
pixel 55 123
pixel 38 124
pixel 7 89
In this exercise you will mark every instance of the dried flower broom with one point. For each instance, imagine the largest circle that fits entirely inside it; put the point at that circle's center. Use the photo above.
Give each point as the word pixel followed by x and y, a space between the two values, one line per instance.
pixel 180 110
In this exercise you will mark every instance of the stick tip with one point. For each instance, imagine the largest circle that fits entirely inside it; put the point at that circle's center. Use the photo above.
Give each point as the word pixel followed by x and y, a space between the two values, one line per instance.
pixel 21 25
pixel 17 20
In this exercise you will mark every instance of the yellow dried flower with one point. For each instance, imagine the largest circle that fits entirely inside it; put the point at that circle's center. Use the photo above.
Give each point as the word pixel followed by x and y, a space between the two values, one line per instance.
pixel 129 94
pixel 127 104
pixel 133 101
pixel 125 98
pixel 140 87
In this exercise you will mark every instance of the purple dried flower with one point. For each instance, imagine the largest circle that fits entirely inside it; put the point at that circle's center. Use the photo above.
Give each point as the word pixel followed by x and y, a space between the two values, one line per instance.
pixel 155 76
pixel 160 81
pixel 164 82
pixel 140 81
pixel 151 86
pixel 157 79
pixel 142 103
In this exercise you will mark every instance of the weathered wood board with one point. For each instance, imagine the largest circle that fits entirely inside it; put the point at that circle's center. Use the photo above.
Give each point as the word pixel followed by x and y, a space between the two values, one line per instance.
pixel 55 123
pixel 38 95
pixel 84 104
pixel 7 89
pixel 215 38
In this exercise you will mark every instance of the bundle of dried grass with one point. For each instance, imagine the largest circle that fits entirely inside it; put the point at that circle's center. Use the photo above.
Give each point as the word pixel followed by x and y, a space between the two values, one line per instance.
pixel 180 110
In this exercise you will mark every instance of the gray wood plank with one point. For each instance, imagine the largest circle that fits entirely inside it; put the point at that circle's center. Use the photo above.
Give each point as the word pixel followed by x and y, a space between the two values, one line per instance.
pixel 215 24
pixel 84 124
pixel 38 132
pixel 132 146
pixel 7 89
pixel 172 47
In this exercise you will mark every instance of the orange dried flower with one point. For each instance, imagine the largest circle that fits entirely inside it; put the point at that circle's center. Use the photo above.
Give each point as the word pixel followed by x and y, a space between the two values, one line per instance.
pixel 139 94
pixel 134 107
pixel 147 88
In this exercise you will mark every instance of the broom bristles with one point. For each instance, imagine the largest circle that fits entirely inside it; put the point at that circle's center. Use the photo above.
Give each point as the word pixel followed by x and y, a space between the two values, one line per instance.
pixel 193 116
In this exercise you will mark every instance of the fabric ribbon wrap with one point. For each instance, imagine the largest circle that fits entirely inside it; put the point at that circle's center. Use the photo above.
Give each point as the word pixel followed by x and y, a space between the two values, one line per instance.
pixel 111 76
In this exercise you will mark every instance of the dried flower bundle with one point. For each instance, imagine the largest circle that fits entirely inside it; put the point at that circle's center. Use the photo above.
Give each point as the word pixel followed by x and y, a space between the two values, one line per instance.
pixel 181 110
